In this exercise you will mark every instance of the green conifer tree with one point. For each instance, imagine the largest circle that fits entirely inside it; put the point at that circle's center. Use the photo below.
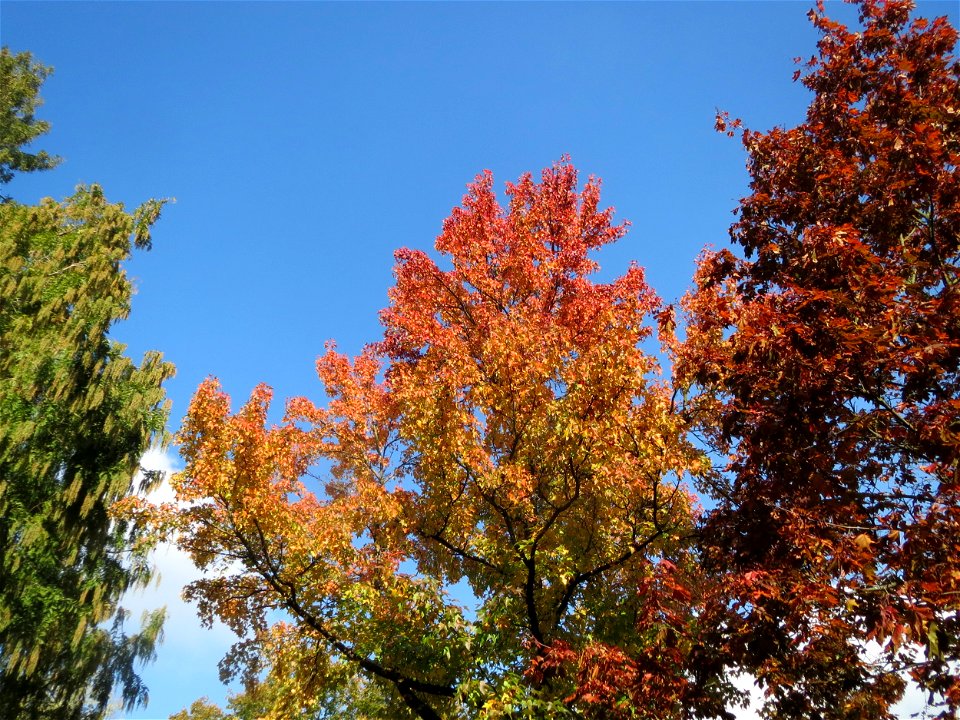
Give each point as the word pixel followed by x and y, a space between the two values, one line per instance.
pixel 75 416
pixel 20 79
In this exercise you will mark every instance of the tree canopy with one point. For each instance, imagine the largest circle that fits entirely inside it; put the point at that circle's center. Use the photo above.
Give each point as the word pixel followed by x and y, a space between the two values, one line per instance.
pixel 20 79
pixel 507 438
pixel 824 365
pixel 75 416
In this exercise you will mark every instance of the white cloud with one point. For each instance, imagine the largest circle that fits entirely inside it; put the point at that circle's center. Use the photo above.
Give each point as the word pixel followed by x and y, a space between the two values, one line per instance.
pixel 186 665
pixel 913 704
pixel 747 684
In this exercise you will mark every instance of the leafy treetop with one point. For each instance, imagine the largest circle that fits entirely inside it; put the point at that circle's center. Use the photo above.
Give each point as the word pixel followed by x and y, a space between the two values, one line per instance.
pixel 507 436
pixel 76 414
pixel 825 364
pixel 20 79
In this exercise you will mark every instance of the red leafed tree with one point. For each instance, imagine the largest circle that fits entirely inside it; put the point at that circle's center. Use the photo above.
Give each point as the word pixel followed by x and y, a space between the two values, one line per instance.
pixel 825 366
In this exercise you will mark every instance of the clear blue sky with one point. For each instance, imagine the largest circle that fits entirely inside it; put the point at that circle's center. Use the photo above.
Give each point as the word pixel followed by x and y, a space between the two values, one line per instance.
pixel 305 142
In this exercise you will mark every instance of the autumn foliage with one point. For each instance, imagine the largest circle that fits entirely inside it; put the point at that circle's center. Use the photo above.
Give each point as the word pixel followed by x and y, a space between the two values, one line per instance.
pixel 490 517
pixel 824 365
pixel 507 437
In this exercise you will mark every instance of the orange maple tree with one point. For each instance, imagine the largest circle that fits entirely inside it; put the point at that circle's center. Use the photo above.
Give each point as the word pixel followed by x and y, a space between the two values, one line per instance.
pixel 499 475
pixel 824 365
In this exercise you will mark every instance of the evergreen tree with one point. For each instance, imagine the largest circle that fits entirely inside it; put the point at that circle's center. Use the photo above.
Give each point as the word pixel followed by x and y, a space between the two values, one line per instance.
pixel 75 416
pixel 20 80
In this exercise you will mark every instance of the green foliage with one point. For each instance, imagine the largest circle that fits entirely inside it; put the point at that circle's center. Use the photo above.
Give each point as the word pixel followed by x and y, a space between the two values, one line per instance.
pixel 354 697
pixel 20 79
pixel 201 709
pixel 75 416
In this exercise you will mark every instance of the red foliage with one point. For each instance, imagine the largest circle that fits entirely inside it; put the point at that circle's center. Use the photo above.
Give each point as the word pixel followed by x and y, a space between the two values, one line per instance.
pixel 826 367
pixel 666 673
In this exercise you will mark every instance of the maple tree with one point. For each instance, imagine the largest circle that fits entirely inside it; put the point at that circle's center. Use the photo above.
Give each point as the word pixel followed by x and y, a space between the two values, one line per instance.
pixel 824 365
pixel 76 414
pixel 484 492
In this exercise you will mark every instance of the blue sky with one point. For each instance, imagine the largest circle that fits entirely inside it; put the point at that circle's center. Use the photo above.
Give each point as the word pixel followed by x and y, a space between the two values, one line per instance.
pixel 304 142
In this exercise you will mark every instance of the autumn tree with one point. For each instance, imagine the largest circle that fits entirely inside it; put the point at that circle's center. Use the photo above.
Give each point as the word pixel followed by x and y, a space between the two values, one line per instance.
pixel 75 416
pixel 486 488
pixel 824 364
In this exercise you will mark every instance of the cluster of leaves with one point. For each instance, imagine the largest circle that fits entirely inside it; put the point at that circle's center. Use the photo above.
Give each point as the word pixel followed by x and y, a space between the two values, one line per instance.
pixel 825 366
pixel 75 416
pixel 508 438
pixel 20 80
pixel 355 697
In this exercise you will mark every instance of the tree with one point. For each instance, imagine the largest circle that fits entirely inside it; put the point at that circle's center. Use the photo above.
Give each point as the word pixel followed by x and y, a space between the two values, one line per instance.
pixel 825 364
pixel 75 416
pixel 20 80
pixel 201 709
pixel 502 471
pixel 355 698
